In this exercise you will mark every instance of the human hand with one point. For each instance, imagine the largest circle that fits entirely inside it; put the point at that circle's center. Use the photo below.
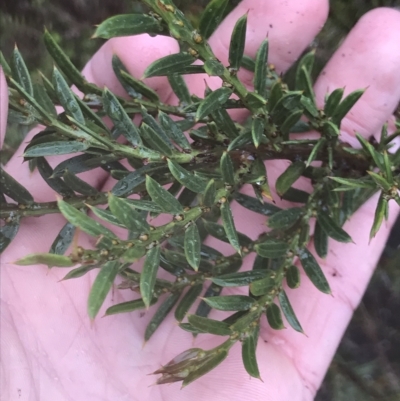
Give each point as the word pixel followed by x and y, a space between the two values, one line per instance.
pixel 49 351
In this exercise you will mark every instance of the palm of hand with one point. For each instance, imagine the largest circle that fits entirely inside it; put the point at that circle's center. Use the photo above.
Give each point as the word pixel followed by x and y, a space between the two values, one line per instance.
pixel 49 348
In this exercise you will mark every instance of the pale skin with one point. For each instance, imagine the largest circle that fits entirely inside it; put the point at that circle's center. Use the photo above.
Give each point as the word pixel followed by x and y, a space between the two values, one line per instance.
pixel 50 351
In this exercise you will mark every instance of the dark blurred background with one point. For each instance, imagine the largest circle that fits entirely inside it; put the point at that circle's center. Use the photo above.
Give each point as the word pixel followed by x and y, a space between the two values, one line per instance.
pixel 367 364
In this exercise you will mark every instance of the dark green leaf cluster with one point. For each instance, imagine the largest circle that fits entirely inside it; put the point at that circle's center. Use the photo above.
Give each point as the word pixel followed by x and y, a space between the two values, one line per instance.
pixel 189 162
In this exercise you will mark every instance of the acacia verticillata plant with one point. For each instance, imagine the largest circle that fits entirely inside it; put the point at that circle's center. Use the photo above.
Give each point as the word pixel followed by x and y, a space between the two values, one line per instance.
pixel 189 161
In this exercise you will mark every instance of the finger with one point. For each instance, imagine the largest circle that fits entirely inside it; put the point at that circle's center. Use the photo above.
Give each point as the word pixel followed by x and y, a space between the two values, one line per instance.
pixel 368 58
pixel 3 106
pixel 348 267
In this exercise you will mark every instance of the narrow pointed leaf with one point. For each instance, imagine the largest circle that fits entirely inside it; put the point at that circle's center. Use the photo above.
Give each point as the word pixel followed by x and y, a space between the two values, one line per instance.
pixel 249 356
pixel 140 87
pixel 211 17
pixel 126 307
pixel 63 239
pixel 187 301
pixel 13 189
pixel 56 148
pixel 149 275
pixel 20 72
pixel 173 131
pixel 229 226
pixel 106 215
pixel 230 302
pixel 167 202
pixel 169 64
pixel 180 88
pixel 214 68
pixel 239 279
pixel 101 287
pixel 145 205
pixel 123 210
pixel 379 180
pixel 81 220
pixel 266 209
pixel 333 101
pixel 209 325
pixel 4 64
pixel 288 312
pixel 225 123
pixel 213 101
pixel 161 314
pixel 320 241
pixel 209 194
pixel 44 100
pixel 227 169
pixel 293 277
pixel 257 131
pixel 154 141
pixel 331 228
pixel 79 272
pixel 290 121
pixel 285 218
pixel 238 39
pixel 121 120
pixel 49 259
pixel 272 249
pixel 186 178
pixel 260 73
pixel 78 185
pixel 289 176
pixel 313 270
pixel 192 246
pixel 380 213
pixel 346 105
pixel 314 152
pixel 303 83
pixel 275 95
pixel 274 317
pixel 67 97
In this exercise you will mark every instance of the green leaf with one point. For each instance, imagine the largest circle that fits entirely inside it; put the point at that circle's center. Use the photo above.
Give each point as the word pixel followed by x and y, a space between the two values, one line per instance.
pixel 320 241
pixel 330 129
pixel 303 83
pixel 288 312
pixel 285 218
pixel 49 259
pixel 229 226
pixel 211 326
pixel 4 64
pixel 331 228
pixel 272 248
pixel 142 204
pixel 214 68
pixel 313 270
pixel 149 275
pixel 351 183
pixel 230 302
pixel 63 62
pixel 306 63
pixel 380 181
pixel 213 101
pixel 205 367
pixel 44 100
pixel 173 131
pixel 253 204
pixel 332 102
pixel 120 118
pixel 293 277
pixel 225 123
pixel 13 189
pixel 314 152
pixel 56 148
pixel 264 286
pixel 238 40
pixel 240 141
pixel 227 169
pixel 161 314
pixel 192 246
pixel 154 141
pixel 260 73
pixel 106 215
pixel 289 177
pixel 20 72
pixel 388 168
pixel 209 194
pixel 167 202
pixel 67 97
pixel 79 272
pixel 63 240
pixel 187 301
pixel 78 185
pixel 180 88
pixel 274 317
pixel 211 17
pixel 275 95
pixel 254 100
pixel 290 121
pixel 249 356
pixel 186 178
pixel 81 220
pixel 239 279
pixel 257 131
pixel 346 105
pixel 168 65
pixel 380 212
pixel 122 209
pixel 101 287
pixel 126 307
pixel 140 87
pixel 134 253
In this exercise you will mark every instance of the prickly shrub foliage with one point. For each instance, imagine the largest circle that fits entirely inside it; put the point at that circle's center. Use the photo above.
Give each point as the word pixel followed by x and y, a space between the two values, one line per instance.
pixel 189 162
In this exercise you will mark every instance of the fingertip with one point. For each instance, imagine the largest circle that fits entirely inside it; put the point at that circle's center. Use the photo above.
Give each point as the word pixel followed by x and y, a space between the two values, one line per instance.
pixel 136 53
pixel 3 106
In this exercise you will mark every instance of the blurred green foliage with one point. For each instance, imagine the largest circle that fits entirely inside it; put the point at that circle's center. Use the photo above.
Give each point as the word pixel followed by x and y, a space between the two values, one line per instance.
pixel 367 364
